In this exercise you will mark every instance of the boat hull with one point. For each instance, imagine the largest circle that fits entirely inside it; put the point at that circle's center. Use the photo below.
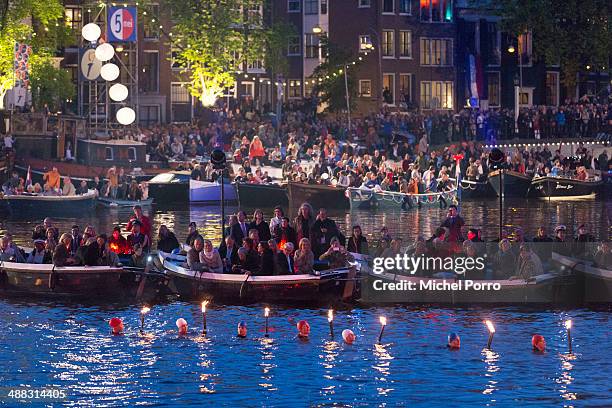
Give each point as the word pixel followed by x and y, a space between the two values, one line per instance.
pixel 516 185
pixel 550 291
pixel 471 190
pixel 361 199
pixel 597 281
pixel 563 188
pixel 110 203
pixel 80 171
pixel 57 206
pixel 169 193
pixel 319 196
pixel 210 192
pixel 261 195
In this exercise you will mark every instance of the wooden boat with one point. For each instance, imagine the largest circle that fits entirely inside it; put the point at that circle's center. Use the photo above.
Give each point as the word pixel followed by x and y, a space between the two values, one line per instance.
pixel 318 195
pixel 548 288
pixel 273 171
pixel 114 203
pixel 83 282
pixel 516 185
pixel 261 195
pixel 170 188
pixel 476 190
pixel 50 205
pixel 597 280
pixel 369 199
pixel 564 188
pixel 210 192
pixel 325 286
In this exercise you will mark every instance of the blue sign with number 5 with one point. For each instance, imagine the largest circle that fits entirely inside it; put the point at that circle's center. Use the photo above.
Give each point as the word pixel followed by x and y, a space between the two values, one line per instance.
pixel 122 24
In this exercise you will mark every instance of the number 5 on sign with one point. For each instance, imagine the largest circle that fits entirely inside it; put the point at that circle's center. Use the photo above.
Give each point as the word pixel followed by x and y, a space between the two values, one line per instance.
pixel 122 24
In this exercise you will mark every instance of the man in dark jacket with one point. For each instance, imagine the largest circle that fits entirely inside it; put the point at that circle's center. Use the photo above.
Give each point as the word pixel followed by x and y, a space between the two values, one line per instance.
pixel 285 233
pixel 284 260
pixel 322 231
pixel 240 230
pixel 228 250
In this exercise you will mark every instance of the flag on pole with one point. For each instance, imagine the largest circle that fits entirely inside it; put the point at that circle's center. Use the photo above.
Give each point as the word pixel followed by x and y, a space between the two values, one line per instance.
pixel 29 178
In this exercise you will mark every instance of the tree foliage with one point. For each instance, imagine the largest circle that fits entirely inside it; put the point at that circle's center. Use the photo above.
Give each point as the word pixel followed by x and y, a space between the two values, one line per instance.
pixel 572 33
pixel 332 71
pixel 50 85
pixel 35 22
pixel 215 39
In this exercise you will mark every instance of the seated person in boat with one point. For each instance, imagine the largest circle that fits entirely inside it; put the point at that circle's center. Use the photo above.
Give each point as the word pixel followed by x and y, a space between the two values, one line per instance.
pixel 284 260
pixel 9 252
pixel 193 255
pixel 52 180
pixel 228 251
pixel 529 264
pixel 504 264
pixel 11 185
pixel 248 258
pixel 107 256
pixel 581 173
pixel 303 259
pixel 83 188
pixel 603 256
pixel 267 263
pixel 139 258
pixel 357 243
pixel 50 242
pixel 192 234
pixel 395 248
pixel 583 247
pixel 134 191
pixel 210 258
pixel 137 237
pixel 167 241
pixel 117 243
pixel 68 189
pixel 337 255
pixel 76 239
pixel 88 254
pixel 285 232
pixel 61 255
pixel 39 232
pixel 40 254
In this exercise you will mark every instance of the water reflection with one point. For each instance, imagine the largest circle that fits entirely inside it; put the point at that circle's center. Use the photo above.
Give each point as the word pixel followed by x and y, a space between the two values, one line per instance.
pixel 565 378
pixel 267 349
pixel 382 364
pixel 491 359
pixel 328 357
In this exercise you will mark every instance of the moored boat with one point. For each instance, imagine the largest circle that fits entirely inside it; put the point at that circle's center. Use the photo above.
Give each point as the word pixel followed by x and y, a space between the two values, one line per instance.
pixel 83 282
pixel 50 204
pixel 325 286
pixel 597 278
pixel 210 192
pixel 318 195
pixel 109 202
pixel 564 188
pixel 261 195
pixel 369 199
pixel 170 188
pixel 476 189
pixel 515 185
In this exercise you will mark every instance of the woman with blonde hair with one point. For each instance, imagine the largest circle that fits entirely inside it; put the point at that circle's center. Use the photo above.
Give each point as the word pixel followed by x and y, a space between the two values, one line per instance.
pixel 210 258
pixel 303 259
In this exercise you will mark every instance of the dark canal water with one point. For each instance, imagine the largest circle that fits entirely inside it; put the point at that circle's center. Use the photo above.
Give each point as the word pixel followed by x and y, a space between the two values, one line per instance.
pixel 68 345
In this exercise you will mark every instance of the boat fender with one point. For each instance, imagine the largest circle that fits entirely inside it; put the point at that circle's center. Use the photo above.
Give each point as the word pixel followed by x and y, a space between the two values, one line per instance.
pixel 52 278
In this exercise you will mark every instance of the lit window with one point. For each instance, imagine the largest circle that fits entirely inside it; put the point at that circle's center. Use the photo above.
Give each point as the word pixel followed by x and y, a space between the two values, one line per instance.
pixel 295 88
pixel 436 95
pixel 405 6
pixel 405 84
pixel 388 43
pixel 525 47
pixel 493 88
pixel 293 6
pixel 389 89
pixel 312 46
pixel 436 11
pixel 311 6
pixel 437 52
pixel 365 87
pixel 365 42
pixel 405 44
pixel 294 46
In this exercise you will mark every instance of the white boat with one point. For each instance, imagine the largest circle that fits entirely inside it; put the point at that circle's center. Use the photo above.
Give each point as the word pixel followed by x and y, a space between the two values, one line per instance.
pixel 210 192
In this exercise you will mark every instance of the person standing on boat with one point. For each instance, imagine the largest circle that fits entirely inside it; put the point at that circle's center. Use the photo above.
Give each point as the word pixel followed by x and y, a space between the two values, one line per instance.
pixel 303 258
pixel 240 230
pixel 113 182
pixel 166 240
pixel 228 250
pixel 145 222
pixel 210 258
pixel 357 243
pixel 276 220
pixel 40 255
pixel 453 223
pixel 118 243
pixel 262 227
pixel 285 261
pixel 52 180
pixel 138 237
pixel 322 231
pixel 285 233
pixel 48 224
pixel 303 221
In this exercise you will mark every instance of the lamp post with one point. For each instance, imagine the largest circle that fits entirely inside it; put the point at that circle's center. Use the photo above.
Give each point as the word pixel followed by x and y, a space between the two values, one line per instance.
pixel 518 84
pixel 379 54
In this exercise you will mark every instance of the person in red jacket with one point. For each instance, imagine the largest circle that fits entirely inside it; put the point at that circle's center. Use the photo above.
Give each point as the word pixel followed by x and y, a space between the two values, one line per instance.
pixel 145 222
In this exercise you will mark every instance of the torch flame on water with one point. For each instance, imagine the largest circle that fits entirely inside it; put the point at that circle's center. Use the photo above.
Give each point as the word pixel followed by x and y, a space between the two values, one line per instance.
pixel 266 312
pixel 204 303
pixel 490 326
pixel 383 320
pixel 145 310
pixel 330 315
pixel 568 324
